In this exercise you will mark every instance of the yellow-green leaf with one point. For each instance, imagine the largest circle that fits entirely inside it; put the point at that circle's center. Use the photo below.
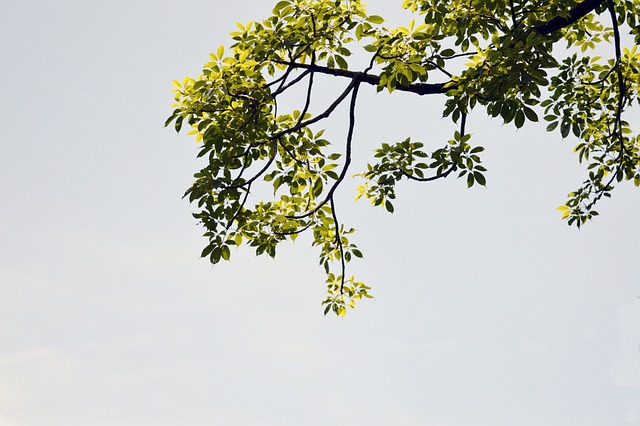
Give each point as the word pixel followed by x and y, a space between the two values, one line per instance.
pixel 564 210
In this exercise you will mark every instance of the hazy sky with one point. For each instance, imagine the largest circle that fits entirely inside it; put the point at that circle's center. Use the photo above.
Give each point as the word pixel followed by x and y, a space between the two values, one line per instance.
pixel 489 310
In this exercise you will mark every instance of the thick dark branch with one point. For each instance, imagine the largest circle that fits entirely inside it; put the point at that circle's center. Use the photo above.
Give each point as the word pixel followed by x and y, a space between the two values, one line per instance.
pixel 575 14
pixel 281 80
pixel 514 20
pixel 309 92
pixel 578 12
pixel 417 88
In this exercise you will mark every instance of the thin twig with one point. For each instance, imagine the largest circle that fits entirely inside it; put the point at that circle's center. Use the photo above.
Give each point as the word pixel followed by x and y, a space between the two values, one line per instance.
pixel 451 169
pixel 339 243
pixel 257 175
pixel 237 213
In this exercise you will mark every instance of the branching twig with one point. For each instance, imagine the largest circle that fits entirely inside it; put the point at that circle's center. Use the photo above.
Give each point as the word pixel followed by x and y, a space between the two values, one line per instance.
pixel 452 168
pixel 321 116
pixel 242 204
pixel 260 173
pixel 417 88
pixel 283 87
pixel 575 14
pixel 431 178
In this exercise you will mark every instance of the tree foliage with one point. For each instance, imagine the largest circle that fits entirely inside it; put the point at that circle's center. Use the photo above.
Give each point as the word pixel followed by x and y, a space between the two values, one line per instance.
pixel 518 60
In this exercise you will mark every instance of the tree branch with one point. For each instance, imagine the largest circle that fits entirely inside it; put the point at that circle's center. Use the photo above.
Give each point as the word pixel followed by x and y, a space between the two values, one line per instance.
pixel 575 14
pixel 447 172
pixel 347 161
pixel 557 23
pixel 374 80
pixel 321 116
pixel 622 88
pixel 260 173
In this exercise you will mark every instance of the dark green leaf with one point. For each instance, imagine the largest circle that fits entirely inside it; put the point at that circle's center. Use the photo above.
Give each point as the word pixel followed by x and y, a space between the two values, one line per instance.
pixel 565 128
pixel 519 119
pixel 388 206
pixel 531 114
pixel 207 250
pixel 470 180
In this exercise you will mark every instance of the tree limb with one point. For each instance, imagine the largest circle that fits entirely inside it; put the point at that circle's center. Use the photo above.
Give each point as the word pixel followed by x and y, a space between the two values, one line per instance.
pixel 575 14
pixel 374 80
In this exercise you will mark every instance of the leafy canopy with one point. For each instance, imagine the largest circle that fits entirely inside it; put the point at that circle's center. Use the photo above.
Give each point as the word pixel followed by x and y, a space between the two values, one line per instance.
pixel 517 59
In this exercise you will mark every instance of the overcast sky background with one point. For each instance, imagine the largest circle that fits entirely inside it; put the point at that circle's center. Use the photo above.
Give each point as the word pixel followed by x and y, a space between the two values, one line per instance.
pixel 489 310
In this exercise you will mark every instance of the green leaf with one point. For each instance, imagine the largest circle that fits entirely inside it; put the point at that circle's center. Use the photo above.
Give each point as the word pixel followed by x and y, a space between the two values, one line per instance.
pixel 281 5
pixel 519 121
pixel 247 116
pixel 388 206
pixel 173 116
pixel 225 252
pixel 565 128
pixel 207 250
pixel 375 19
pixel 342 63
pixel 178 123
pixel 531 114
pixel 317 188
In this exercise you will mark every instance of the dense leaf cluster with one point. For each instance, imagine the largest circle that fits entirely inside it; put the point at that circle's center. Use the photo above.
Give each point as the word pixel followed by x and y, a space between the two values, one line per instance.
pixel 516 59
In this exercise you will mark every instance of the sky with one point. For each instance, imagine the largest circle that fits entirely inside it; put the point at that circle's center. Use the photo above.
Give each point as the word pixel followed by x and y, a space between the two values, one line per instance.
pixel 488 309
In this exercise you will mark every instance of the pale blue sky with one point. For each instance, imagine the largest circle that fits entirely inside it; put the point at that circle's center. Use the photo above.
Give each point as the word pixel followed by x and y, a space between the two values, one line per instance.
pixel 489 310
